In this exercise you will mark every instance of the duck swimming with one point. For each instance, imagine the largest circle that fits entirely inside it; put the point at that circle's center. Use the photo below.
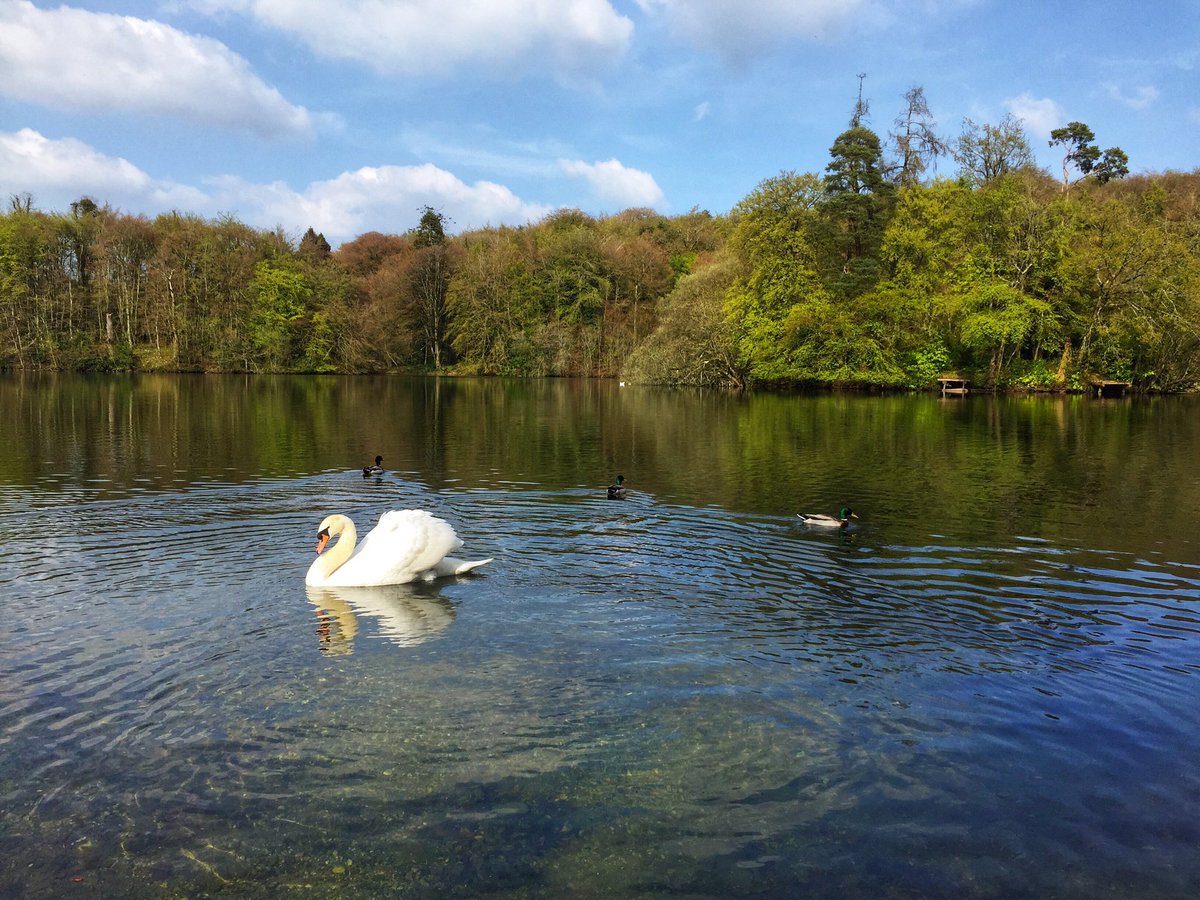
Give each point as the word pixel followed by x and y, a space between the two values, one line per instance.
pixel 845 514
pixel 376 469
pixel 407 545
pixel 616 491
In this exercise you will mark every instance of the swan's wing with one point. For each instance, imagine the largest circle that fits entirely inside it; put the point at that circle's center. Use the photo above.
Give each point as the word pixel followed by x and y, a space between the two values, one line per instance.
pixel 405 543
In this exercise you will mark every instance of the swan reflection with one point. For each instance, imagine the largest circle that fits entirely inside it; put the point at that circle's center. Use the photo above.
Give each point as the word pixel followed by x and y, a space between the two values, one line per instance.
pixel 407 614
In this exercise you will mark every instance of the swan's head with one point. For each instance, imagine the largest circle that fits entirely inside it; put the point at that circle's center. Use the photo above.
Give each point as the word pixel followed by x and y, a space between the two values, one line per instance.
pixel 330 527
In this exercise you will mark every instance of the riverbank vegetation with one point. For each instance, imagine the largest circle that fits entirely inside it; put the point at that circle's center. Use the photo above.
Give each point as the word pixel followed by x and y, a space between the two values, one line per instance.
pixel 876 272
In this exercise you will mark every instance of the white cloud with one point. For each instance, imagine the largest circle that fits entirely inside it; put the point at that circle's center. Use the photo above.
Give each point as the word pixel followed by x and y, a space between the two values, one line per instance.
pixel 383 198
pixel 737 32
pixel 569 37
pixel 612 182
pixel 57 172
pixel 83 61
pixel 1140 99
pixel 375 198
pixel 1040 117
pixel 700 113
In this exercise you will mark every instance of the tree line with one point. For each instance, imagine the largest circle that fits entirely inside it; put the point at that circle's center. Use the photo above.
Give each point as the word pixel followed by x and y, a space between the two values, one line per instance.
pixel 876 272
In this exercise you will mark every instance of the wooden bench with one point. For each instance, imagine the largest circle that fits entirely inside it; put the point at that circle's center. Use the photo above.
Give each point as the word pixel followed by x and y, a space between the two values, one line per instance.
pixel 955 386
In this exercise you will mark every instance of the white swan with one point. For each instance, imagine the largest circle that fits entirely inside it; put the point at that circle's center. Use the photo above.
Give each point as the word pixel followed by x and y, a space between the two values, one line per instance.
pixel 406 545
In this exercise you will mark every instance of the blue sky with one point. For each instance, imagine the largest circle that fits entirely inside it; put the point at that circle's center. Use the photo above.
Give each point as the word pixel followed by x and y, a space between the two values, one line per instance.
pixel 351 115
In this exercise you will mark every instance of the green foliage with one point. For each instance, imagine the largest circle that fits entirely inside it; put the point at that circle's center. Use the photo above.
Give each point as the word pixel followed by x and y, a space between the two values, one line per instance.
pixel 313 247
pixel 837 278
pixel 854 210
pixel 695 343
pixel 997 317
pixel 1086 157
pixel 431 230
pixel 777 276
pixel 682 264
pixel 833 344
pixel 318 348
pixel 985 152
pixel 428 283
pixel 1035 375
pixel 924 365
pixel 573 275
pixel 280 296
pixel 494 303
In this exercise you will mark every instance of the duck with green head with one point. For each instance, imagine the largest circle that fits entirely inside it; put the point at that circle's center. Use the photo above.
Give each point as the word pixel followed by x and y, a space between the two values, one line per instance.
pixel 616 491
pixel 819 520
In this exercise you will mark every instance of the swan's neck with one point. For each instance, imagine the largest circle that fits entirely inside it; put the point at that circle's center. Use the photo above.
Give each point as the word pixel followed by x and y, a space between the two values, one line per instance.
pixel 331 560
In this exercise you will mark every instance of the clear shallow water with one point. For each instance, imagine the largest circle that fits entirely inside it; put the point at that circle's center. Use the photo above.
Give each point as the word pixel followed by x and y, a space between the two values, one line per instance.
pixel 987 689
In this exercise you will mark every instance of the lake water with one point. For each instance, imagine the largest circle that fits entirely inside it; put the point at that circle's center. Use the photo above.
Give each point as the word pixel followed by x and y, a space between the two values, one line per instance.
pixel 987 688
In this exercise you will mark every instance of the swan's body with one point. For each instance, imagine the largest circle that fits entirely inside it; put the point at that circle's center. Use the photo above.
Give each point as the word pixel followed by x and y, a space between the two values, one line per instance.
pixel 845 514
pixel 406 545
pixel 617 491
pixel 376 469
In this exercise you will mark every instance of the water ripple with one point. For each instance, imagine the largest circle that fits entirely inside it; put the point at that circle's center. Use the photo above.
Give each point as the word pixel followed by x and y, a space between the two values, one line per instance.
pixel 163 655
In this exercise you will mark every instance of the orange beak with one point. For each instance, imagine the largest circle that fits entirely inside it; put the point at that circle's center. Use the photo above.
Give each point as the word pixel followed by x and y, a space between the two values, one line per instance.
pixel 322 540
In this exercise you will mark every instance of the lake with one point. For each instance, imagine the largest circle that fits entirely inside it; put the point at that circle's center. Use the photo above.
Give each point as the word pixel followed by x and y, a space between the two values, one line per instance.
pixel 987 687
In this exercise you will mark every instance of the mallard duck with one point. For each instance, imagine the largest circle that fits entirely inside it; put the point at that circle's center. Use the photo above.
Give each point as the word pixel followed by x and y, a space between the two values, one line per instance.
pixel 376 469
pixel 617 491
pixel 845 514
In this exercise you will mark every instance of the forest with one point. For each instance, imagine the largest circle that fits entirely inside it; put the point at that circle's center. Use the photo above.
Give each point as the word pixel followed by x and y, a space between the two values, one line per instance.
pixel 879 272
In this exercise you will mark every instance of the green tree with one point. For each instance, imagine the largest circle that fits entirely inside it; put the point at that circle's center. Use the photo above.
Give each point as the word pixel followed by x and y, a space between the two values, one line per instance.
pixel 431 230
pixel 695 342
pixel 230 252
pixel 123 251
pixel 29 276
pixel 280 296
pixel 429 280
pixel 971 274
pixel 777 274
pixel 327 335
pixel 855 208
pixel 78 234
pixel 997 320
pixel 1116 269
pixel 496 307
pixel 984 152
pixel 313 247
pixel 1080 153
pixel 575 281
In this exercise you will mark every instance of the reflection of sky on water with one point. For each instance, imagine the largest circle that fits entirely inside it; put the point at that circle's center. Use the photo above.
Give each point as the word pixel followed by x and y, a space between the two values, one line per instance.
pixel 669 696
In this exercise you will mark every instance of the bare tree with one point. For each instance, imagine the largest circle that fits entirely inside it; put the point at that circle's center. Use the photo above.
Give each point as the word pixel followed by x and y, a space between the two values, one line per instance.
pixel 917 144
